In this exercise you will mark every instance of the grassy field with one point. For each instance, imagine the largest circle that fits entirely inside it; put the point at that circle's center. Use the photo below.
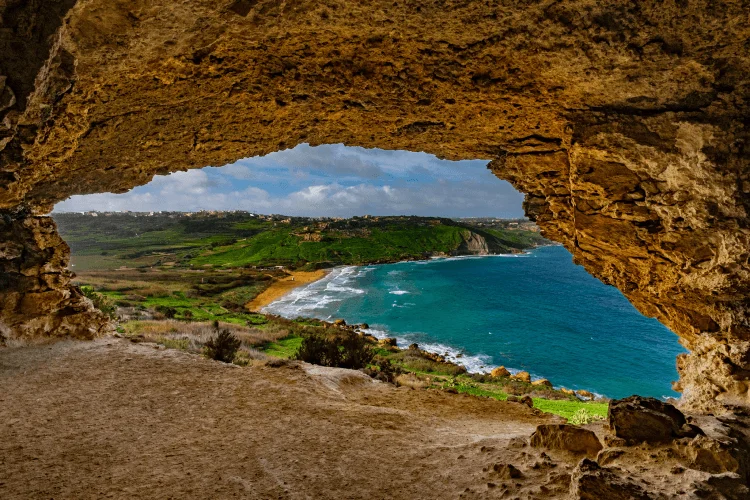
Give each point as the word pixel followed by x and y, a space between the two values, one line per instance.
pixel 229 240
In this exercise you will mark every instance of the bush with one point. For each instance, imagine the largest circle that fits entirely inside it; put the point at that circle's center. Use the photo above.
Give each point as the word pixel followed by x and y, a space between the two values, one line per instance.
pixel 344 351
pixel 223 347
pixel 101 302
pixel 384 370
pixel 168 311
pixel 583 417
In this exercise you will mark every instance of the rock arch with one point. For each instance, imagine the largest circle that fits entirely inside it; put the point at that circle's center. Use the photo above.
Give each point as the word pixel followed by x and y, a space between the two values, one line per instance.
pixel 624 122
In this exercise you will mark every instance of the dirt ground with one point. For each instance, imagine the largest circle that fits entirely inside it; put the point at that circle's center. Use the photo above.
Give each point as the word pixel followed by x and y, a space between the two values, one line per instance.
pixel 112 419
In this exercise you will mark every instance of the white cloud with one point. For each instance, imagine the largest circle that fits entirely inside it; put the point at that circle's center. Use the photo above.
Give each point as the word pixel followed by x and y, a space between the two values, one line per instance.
pixel 324 181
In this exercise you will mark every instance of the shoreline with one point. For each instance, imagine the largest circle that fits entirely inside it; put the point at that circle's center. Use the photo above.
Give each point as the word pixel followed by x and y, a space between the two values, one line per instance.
pixel 281 287
pixel 451 354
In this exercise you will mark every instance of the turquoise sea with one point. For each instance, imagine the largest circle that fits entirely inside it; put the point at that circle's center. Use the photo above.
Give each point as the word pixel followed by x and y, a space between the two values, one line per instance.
pixel 537 312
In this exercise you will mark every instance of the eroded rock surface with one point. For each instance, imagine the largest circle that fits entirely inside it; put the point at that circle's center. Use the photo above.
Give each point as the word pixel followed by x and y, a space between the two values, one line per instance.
pixel 624 122
pixel 566 438
pixel 637 420
pixel 35 293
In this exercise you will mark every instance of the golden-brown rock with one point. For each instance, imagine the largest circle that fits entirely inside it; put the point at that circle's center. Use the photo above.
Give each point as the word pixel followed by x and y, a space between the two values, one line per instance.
pixel 623 122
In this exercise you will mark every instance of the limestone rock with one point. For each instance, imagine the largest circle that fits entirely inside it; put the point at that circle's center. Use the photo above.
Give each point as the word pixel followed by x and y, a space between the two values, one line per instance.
pixel 542 382
pixel 589 481
pixel 624 124
pixel 638 419
pixel 523 377
pixel 710 455
pixel 500 371
pixel 506 471
pixel 567 438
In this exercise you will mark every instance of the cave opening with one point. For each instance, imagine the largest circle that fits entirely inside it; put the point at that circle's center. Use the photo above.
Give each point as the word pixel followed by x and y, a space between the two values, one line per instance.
pixel 537 312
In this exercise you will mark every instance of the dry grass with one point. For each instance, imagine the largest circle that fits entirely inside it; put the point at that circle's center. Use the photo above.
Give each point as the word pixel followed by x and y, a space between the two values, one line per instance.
pixel 411 380
pixel 193 335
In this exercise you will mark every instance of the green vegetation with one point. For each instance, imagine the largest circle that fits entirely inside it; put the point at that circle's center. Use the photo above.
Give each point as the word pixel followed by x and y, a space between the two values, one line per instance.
pixel 285 348
pixel 183 282
pixel 102 302
pixel 223 347
pixel 344 349
pixel 231 240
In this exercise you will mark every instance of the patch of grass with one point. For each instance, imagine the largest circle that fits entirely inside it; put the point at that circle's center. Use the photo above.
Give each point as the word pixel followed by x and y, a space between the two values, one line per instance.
pixel 284 348
pixel 480 392
pixel 567 408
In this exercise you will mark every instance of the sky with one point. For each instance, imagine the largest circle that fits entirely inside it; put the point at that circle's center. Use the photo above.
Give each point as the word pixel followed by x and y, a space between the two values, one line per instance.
pixel 323 181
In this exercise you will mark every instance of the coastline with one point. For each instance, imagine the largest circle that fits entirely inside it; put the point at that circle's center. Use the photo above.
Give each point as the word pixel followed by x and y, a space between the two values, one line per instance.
pixel 279 288
pixel 474 364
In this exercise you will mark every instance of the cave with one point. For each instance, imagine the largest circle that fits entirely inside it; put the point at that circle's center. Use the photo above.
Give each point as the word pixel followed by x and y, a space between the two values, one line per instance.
pixel 624 123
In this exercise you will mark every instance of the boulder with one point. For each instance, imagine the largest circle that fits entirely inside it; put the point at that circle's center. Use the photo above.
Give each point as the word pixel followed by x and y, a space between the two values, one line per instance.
pixel 339 322
pixel 566 438
pixel 506 471
pixel 589 481
pixel 637 419
pixel 500 371
pixel 542 382
pixel 569 392
pixel 709 455
pixel 523 377
pixel 364 326
pixel 585 394
pixel 387 342
pixel 523 400
pixel 414 347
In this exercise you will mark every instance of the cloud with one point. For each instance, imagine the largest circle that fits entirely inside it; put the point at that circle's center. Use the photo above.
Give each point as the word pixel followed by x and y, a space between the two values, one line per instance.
pixel 324 181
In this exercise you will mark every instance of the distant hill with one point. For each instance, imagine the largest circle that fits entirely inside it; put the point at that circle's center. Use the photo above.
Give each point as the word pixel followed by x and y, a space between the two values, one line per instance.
pixel 237 239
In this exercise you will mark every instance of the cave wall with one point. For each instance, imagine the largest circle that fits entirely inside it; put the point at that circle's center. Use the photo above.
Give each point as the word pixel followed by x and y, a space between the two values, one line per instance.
pixel 623 121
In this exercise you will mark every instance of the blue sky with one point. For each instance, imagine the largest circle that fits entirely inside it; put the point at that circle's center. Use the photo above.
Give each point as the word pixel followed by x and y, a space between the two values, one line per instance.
pixel 331 180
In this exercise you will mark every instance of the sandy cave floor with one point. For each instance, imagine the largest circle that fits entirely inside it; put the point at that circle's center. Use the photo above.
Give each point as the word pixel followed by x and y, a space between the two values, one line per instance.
pixel 112 419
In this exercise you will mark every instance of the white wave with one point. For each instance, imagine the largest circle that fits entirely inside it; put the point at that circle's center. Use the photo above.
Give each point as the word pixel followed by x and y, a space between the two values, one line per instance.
pixel 398 292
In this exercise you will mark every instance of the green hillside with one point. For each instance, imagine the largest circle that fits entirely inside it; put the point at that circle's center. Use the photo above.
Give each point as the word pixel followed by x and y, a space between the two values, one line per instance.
pixel 113 240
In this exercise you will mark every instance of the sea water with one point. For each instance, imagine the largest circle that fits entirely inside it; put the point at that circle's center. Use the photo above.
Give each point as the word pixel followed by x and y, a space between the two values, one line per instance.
pixel 537 312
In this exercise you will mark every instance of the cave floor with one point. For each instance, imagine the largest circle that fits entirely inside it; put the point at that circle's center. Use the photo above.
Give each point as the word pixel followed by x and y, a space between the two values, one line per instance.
pixel 112 419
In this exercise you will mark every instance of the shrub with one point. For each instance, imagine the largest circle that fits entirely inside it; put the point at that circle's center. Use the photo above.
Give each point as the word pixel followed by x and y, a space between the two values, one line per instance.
pixel 223 347
pixel 583 417
pixel 168 311
pixel 344 351
pixel 384 370
pixel 101 302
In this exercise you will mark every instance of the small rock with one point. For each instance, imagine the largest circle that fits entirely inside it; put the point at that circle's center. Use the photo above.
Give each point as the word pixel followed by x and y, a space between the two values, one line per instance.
pixel 567 438
pixel 570 392
pixel 614 441
pixel 507 471
pixel 500 371
pixel 364 326
pixel 414 347
pixel 607 456
pixel 542 382
pixel 709 455
pixel 591 482
pixel 387 342
pixel 339 322
pixel 585 394
pixel 523 377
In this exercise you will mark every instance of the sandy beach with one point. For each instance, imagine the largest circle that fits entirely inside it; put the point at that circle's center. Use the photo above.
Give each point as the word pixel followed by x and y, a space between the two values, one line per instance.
pixel 281 287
